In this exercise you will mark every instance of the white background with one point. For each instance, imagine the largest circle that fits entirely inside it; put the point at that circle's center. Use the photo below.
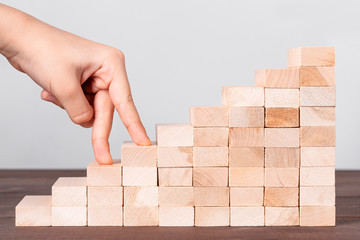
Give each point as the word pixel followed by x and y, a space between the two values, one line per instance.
pixel 179 54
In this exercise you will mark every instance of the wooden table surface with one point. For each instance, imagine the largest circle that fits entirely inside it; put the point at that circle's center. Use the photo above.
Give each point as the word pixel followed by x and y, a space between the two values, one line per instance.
pixel 14 185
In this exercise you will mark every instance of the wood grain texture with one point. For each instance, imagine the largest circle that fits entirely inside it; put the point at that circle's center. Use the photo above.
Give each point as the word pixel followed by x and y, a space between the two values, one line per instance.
pixel 323 136
pixel 105 215
pixel 317 76
pixel 281 117
pixel 33 211
pixel 246 196
pixel 141 196
pixel 141 216
pixel 212 216
pixel 246 157
pixel 317 116
pixel 281 177
pixel 175 177
pixel 311 56
pixel 105 196
pixel 210 176
pixel 246 137
pixel 176 216
pixel 247 216
pixel 317 196
pixel 318 156
pixel 69 216
pixel 176 196
pixel 212 116
pixel 175 156
pixel 243 96
pixel 174 135
pixel 281 197
pixel 211 156
pixel 246 117
pixel 138 156
pixel 317 96
pixel 282 216
pixel 139 176
pixel 281 157
pixel 317 176
pixel 70 192
pixel 104 175
pixel 277 78
pixel 317 216
pixel 282 98
pixel 212 196
pixel 211 137
pixel 282 137
pixel 246 176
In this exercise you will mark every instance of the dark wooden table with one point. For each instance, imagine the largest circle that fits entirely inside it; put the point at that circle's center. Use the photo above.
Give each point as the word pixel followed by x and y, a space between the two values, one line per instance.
pixel 15 184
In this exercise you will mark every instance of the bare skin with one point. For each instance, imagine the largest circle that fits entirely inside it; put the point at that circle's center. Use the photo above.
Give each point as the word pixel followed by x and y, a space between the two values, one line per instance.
pixel 85 78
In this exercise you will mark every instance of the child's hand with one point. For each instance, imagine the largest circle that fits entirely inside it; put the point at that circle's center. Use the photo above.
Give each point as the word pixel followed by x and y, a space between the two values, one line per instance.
pixel 85 78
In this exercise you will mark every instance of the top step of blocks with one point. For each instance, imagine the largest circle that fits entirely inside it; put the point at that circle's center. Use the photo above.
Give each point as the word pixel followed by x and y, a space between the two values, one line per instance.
pixel 311 57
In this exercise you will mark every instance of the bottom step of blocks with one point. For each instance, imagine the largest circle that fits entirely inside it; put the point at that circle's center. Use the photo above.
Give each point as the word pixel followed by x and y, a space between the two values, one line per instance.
pixel 176 216
pixel 212 216
pixel 247 216
pixel 282 216
pixel 141 216
pixel 34 211
pixel 317 216
pixel 69 216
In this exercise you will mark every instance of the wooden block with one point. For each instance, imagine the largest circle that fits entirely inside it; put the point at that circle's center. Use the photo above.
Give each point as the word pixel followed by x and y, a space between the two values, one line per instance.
pixel 214 116
pixel 277 78
pixel 212 216
pixel 282 157
pixel 282 216
pixel 212 196
pixel 141 216
pixel 138 156
pixel 317 77
pixel 317 216
pixel 281 197
pixel 69 191
pixel 211 137
pixel 141 196
pixel 281 98
pixel 317 196
pixel 246 157
pixel 176 196
pixel 281 177
pixel 103 175
pixel 317 116
pixel 246 137
pixel 105 196
pixel 282 137
pixel 211 156
pixel 317 176
pixel 247 216
pixel 281 117
pixel 311 56
pixel 210 176
pixel 324 136
pixel 318 156
pixel 246 196
pixel 317 96
pixel 176 216
pixel 246 176
pixel 139 176
pixel 175 156
pixel 243 96
pixel 69 216
pixel 175 177
pixel 174 135
pixel 33 211
pixel 105 215
pixel 246 117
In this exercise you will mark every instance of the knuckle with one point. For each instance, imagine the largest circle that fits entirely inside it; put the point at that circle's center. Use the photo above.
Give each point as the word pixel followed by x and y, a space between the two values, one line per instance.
pixel 82 118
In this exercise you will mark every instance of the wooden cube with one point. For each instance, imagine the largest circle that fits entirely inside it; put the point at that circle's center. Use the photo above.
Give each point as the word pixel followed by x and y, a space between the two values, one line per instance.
pixel 282 98
pixel 176 216
pixel 281 117
pixel 282 216
pixel 138 156
pixel 212 216
pixel 317 196
pixel 277 78
pixel 317 176
pixel 246 157
pixel 211 137
pixel 311 56
pixel 281 157
pixel 318 136
pixel 33 211
pixel 214 116
pixel 317 96
pixel 105 215
pixel 317 116
pixel 247 216
pixel 141 216
pixel 176 197
pixel 175 177
pixel 281 197
pixel 281 177
pixel 246 176
pixel 174 135
pixel 246 196
pixel 246 137
pixel 243 96
pixel 104 175
pixel 175 156
pixel 246 117
pixel 141 196
pixel 318 216
pixel 212 196
pixel 317 77
pixel 211 156
pixel 210 176
pixel 69 216
pixel 282 137
pixel 69 191
pixel 105 196
pixel 318 156
pixel 139 176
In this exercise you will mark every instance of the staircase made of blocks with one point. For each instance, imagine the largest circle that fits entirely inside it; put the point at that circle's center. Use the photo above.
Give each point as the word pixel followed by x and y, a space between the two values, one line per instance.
pixel 265 157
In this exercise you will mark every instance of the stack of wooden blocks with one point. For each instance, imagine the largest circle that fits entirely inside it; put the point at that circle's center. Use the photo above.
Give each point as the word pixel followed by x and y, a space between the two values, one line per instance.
pixel 266 157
